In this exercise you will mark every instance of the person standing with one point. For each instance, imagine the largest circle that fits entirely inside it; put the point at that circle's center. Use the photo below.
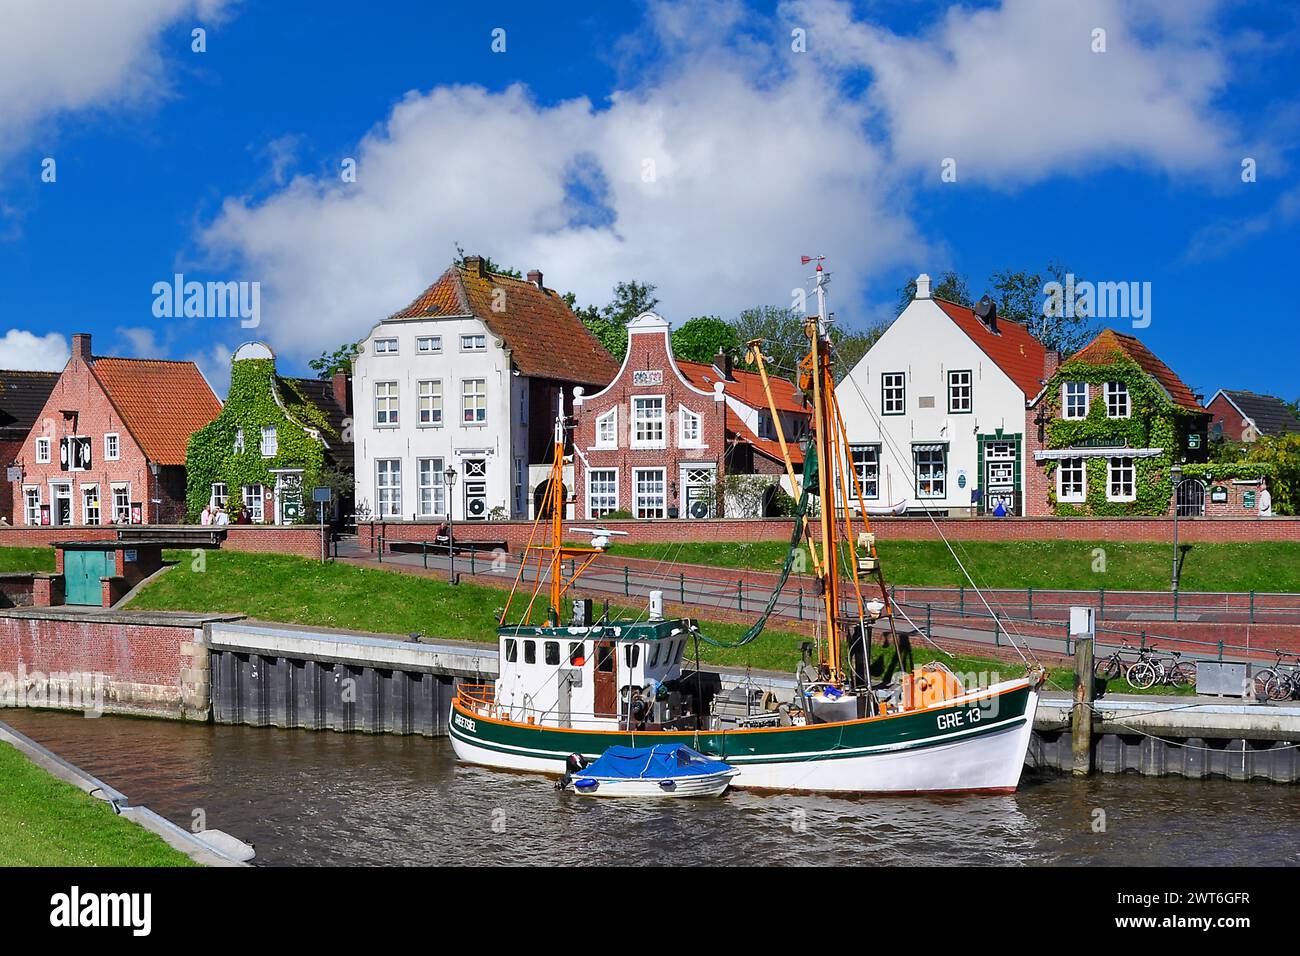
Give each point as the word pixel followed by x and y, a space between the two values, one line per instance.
pixel 1265 499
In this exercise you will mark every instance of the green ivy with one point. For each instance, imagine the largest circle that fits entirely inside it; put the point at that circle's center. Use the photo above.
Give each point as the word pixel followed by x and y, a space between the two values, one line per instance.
pixel 1154 422
pixel 250 404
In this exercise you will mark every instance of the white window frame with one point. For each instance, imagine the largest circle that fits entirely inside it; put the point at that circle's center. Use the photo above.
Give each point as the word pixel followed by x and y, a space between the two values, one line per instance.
pixel 388 492
pixel 85 505
pixel 891 382
pixel 429 403
pixel 607 429
pixel 42 451
pixel 1077 490
pixel 387 404
pixel 867 473
pixel 473 402
pixel 662 421
pixel 477 342
pixel 428 344
pixel 113 449
pixel 940 468
pixel 639 498
pixel 238 446
pixel 270 442
pixel 219 499
pixel 1114 465
pixel 595 510
pixel 386 346
pixel 431 496
pixel 253 497
pixel 32 509
pixel 122 508
pixel 684 418
pixel 1069 403
pixel 1115 391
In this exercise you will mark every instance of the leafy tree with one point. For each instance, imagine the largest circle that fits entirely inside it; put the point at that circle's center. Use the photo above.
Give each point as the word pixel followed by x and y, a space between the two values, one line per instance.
pixel 609 324
pixel 782 332
pixel 701 338
pixel 340 360
pixel 951 287
pixel 1282 454
pixel 1020 297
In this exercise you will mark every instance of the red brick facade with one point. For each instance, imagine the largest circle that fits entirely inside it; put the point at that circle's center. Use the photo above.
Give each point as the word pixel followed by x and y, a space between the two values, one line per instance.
pixel 1225 420
pixel 301 540
pixel 671 458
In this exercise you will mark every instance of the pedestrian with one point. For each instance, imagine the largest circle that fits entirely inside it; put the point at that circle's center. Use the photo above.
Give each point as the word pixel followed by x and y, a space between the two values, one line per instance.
pixel 205 517
pixel 223 517
pixel 1265 499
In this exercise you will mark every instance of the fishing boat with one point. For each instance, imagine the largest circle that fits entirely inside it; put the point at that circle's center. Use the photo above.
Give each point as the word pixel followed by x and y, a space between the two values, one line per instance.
pixel 662 770
pixel 584 684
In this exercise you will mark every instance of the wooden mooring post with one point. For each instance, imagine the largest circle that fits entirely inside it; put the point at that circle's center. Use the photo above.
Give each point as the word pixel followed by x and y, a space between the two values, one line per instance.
pixel 1083 631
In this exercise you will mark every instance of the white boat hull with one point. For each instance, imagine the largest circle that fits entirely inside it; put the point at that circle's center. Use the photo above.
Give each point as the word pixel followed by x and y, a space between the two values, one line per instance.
pixel 710 785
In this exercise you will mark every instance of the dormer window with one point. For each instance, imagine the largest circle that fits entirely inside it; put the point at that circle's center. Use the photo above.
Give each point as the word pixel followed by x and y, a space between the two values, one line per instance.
pixel 1117 400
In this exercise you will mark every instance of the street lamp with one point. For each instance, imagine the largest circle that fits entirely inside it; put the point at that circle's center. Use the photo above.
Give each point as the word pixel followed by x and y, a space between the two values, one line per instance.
pixel 451 475
pixel 1177 474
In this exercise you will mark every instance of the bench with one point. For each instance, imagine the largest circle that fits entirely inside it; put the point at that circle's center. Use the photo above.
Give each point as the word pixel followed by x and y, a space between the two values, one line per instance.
pixel 200 537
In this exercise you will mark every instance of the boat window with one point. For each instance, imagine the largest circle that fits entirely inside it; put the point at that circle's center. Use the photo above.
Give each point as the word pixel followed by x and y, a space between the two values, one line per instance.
pixel 605 658
pixel 654 658
pixel 553 652
pixel 632 653
pixel 530 652
pixel 512 650
pixel 577 653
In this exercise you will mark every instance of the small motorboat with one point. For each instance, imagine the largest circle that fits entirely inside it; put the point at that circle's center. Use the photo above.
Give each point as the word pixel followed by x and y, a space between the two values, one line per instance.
pixel 664 770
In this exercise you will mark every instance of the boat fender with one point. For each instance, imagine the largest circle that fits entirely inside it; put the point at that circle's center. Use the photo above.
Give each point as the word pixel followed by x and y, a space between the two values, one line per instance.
pixel 668 785
pixel 586 785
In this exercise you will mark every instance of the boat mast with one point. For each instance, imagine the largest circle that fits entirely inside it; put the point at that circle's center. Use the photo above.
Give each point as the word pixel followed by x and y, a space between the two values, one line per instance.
pixel 557 510
pixel 817 329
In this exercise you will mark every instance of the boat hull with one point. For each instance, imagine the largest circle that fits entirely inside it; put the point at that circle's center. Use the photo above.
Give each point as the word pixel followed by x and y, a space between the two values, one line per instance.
pixel 972 743
pixel 703 785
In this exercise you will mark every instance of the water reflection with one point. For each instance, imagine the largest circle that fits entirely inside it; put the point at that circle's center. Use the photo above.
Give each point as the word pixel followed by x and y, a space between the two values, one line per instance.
pixel 351 799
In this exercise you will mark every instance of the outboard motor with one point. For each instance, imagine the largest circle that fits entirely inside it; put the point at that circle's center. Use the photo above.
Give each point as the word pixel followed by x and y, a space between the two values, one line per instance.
pixel 573 763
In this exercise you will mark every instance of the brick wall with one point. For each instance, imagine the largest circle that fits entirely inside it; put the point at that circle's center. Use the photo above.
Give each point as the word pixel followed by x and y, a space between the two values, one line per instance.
pixel 302 540
pixel 143 667
pixel 1224 416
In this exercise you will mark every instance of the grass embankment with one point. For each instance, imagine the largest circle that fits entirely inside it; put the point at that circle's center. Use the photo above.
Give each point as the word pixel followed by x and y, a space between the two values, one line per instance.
pixel 26 559
pixel 299 591
pixel 46 822
pixel 1117 566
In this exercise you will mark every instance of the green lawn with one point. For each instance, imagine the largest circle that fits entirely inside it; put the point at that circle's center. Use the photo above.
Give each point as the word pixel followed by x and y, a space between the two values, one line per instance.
pixel 300 591
pixel 46 822
pixel 1255 566
pixel 26 559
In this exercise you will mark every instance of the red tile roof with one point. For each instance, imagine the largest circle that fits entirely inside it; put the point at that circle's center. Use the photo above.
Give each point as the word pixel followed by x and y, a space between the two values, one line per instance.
pixel 162 403
pixel 747 387
pixel 1109 345
pixel 1021 356
pixel 545 338
pixel 769 447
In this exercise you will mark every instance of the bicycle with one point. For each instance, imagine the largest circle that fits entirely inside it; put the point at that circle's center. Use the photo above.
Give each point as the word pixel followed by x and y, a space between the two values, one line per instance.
pixel 1114 666
pixel 1266 675
pixel 1150 670
pixel 1284 684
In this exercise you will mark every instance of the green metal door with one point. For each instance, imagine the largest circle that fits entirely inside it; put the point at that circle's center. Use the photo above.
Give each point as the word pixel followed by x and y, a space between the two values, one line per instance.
pixel 81 573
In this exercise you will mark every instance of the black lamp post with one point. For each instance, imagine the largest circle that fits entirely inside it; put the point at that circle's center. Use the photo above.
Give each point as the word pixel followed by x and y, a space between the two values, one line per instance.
pixel 1177 474
pixel 451 475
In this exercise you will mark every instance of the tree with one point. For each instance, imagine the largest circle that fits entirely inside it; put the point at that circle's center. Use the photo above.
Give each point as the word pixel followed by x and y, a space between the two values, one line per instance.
pixel 609 324
pixel 340 360
pixel 701 338
pixel 951 287
pixel 1020 297
pixel 1282 455
pixel 782 332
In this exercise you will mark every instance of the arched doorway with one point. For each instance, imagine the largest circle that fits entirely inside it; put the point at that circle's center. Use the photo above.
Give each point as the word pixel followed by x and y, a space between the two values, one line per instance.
pixel 541 499
pixel 1189 498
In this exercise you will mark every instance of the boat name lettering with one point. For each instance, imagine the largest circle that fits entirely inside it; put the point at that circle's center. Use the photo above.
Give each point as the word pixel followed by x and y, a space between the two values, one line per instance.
pixel 463 721
pixel 959 718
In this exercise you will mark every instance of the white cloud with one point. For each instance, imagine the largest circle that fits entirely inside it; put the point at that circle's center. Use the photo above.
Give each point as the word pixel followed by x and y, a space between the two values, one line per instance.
pixel 141 342
pixel 26 351
pixel 77 54
pixel 1015 93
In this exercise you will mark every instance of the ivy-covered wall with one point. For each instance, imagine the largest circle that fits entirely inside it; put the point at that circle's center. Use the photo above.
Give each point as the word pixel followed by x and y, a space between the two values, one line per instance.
pixel 251 403
pixel 1154 422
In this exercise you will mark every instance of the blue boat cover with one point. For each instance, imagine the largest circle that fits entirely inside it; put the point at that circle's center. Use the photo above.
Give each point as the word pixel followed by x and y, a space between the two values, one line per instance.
pixel 660 762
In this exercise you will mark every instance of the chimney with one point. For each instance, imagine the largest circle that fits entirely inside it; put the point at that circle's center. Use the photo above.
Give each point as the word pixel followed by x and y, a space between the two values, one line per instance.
pixel 722 362
pixel 476 264
pixel 341 386
pixel 535 277
pixel 1051 362
pixel 81 346
pixel 922 287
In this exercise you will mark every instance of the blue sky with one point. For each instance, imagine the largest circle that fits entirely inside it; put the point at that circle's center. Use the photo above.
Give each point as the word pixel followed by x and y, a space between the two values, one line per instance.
pixel 690 145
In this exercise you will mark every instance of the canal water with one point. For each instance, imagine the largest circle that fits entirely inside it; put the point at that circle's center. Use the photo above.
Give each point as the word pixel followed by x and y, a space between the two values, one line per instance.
pixel 305 797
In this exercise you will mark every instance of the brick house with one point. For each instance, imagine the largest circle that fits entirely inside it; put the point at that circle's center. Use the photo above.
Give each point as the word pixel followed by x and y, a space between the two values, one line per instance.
pixel 1241 416
pixel 275 439
pixel 660 440
pixel 1105 430
pixel 22 396
pixel 108 444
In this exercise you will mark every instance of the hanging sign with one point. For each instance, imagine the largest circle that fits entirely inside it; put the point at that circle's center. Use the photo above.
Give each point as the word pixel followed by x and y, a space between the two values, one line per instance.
pixel 1219 494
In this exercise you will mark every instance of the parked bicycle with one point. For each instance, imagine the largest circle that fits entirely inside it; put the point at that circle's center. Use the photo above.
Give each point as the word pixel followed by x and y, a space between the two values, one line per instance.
pixel 1279 682
pixel 1114 666
pixel 1151 670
